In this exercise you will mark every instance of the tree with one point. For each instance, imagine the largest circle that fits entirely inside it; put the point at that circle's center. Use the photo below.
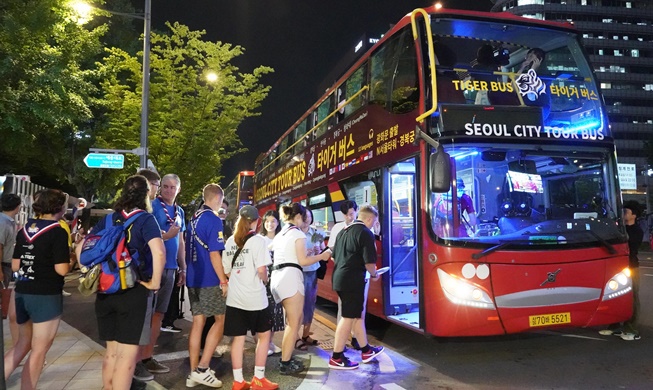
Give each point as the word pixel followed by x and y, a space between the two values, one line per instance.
pixel 192 121
pixel 46 91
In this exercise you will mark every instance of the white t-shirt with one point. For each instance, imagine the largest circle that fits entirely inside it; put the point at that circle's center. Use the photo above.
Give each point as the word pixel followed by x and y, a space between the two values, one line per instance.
pixel 286 282
pixel 246 289
pixel 334 232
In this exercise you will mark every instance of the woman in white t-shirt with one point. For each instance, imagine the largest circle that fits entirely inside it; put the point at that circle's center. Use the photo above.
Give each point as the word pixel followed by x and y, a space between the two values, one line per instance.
pixel 287 280
pixel 245 260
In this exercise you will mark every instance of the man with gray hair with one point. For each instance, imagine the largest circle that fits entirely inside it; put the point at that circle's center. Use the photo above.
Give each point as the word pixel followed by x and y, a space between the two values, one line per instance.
pixel 172 222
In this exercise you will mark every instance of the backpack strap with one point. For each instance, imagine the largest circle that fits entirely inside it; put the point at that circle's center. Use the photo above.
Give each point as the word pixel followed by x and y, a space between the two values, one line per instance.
pixel 247 237
pixel 193 237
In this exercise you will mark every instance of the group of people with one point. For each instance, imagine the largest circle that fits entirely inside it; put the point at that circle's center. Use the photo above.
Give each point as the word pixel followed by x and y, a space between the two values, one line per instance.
pixel 253 281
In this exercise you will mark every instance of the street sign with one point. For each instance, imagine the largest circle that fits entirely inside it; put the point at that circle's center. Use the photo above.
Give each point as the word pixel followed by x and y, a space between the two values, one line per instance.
pixel 105 160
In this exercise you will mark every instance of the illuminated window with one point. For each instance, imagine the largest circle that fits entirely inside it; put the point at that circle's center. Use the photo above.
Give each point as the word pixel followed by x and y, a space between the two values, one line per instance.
pixel 634 53
pixel 606 85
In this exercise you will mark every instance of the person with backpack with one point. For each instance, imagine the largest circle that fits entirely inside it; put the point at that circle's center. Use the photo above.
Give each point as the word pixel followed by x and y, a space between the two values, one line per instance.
pixel 207 285
pixel 245 261
pixel 123 314
pixel 41 259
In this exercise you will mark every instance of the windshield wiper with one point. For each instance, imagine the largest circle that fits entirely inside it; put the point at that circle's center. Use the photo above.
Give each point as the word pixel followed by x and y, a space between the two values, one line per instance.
pixel 598 238
pixel 489 250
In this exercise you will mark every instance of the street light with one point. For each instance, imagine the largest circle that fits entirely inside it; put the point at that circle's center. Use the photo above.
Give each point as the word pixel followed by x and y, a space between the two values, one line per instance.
pixel 84 10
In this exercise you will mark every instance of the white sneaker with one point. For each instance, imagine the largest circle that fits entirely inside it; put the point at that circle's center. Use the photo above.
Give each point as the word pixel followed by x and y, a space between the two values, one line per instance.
pixel 206 378
pixel 65 293
pixel 273 349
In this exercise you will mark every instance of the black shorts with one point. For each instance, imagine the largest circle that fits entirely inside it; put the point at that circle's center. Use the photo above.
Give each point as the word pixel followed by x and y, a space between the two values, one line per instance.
pixel 238 321
pixel 122 316
pixel 352 303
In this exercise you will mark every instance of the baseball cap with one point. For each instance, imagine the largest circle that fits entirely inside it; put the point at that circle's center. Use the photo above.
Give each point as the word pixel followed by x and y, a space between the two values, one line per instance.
pixel 460 183
pixel 249 212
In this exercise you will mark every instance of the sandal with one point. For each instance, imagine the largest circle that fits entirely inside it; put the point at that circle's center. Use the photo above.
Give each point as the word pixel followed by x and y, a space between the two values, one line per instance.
pixel 309 341
pixel 301 345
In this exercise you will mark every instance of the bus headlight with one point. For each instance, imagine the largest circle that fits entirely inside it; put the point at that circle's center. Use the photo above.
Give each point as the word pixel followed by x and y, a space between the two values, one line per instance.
pixel 462 292
pixel 618 285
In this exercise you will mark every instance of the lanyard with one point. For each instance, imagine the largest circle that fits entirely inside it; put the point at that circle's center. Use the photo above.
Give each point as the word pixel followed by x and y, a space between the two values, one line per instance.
pixel 171 221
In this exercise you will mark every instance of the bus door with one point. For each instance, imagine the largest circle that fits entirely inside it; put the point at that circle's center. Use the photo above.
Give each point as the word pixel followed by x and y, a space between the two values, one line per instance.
pixel 400 224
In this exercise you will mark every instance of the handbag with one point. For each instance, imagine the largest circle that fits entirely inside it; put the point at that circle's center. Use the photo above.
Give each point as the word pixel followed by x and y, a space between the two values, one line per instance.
pixel 320 273
pixel 89 282
pixel 6 299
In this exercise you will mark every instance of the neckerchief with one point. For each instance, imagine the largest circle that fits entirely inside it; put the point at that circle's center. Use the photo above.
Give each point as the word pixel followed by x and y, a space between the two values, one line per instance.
pixel 171 221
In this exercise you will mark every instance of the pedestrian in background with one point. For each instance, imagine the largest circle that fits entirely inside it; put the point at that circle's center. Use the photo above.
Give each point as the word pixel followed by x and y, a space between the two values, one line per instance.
pixel 269 229
pixel 10 208
pixel 627 331
pixel 354 254
pixel 207 285
pixel 245 261
pixel 287 283
pixel 123 317
pixel 41 258
pixel 314 246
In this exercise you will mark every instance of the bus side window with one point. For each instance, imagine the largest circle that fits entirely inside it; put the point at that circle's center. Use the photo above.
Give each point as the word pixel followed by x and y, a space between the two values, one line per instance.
pixel 405 91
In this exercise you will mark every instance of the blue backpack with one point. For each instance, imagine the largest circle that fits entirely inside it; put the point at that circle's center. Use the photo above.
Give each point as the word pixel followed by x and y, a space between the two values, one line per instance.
pixel 120 269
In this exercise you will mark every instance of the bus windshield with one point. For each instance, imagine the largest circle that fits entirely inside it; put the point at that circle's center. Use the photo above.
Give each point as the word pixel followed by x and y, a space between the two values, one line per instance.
pixel 528 195
pixel 515 65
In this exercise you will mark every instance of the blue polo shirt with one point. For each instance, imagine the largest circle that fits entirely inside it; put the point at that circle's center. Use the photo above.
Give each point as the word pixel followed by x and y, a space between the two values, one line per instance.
pixel 175 215
pixel 200 271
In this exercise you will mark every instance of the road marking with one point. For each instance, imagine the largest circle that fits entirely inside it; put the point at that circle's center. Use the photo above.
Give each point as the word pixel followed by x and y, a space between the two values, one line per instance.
pixel 572 335
pixel 386 365
pixel 392 386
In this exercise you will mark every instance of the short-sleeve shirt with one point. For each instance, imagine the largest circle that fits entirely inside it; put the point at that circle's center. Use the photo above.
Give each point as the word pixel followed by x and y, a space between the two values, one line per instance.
pixel 39 246
pixel 167 215
pixel 309 246
pixel 246 289
pixel 354 248
pixel 143 229
pixel 208 228
pixel 337 228
pixel 7 237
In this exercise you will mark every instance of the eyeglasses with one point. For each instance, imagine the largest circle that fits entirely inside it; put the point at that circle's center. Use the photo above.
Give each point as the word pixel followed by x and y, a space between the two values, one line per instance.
pixel 155 184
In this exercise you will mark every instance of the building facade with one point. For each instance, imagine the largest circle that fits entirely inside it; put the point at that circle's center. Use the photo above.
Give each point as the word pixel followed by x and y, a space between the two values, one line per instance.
pixel 618 37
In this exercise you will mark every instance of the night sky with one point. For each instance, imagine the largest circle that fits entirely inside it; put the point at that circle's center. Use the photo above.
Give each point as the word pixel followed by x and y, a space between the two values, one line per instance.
pixel 301 39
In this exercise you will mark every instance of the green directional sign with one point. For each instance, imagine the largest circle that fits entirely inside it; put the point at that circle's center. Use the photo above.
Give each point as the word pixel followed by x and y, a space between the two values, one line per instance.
pixel 105 160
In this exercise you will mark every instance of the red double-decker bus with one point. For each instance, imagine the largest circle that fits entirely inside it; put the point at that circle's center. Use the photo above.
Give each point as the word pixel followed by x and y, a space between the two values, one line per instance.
pixel 239 193
pixel 483 141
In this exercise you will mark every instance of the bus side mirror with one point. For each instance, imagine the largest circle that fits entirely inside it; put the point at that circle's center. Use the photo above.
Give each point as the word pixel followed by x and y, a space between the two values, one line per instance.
pixel 440 171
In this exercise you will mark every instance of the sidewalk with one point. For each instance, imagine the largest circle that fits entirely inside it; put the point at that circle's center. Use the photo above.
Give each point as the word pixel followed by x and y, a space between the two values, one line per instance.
pixel 73 362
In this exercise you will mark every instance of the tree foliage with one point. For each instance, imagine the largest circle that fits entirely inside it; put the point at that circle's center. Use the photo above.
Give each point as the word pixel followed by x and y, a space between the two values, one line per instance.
pixel 47 87
pixel 192 121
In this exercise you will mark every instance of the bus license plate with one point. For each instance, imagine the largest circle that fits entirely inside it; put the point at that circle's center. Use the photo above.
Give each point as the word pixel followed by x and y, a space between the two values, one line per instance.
pixel 549 319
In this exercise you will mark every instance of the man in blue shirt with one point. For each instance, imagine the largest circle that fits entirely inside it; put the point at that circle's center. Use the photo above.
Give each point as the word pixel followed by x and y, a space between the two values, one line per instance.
pixel 171 219
pixel 207 285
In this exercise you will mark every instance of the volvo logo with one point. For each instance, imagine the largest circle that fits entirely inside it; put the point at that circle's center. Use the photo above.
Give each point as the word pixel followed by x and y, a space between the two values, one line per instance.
pixel 551 277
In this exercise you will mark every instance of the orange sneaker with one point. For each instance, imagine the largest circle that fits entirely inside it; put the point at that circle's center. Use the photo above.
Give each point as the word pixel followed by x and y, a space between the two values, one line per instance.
pixel 244 385
pixel 263 384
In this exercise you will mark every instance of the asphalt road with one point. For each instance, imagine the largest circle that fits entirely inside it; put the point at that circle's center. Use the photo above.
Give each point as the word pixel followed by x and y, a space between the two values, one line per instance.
pixel 564 359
